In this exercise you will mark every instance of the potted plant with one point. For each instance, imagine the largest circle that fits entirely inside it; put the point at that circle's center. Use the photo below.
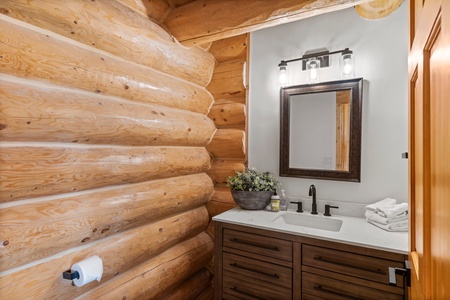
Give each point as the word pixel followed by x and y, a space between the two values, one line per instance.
pixel 252 189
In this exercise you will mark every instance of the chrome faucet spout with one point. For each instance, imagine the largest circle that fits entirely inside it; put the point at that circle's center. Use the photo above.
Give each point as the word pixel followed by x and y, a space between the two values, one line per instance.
pixel 312 192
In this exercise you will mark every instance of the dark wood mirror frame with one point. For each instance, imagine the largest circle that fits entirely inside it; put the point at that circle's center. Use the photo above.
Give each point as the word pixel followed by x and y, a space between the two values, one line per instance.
pixel 354 169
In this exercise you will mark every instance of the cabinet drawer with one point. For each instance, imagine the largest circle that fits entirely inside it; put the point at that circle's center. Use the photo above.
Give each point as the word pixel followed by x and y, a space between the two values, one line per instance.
pixel 258 244
pixel 258 270
pixel 320 287
pixel 251 290
pixel 361 266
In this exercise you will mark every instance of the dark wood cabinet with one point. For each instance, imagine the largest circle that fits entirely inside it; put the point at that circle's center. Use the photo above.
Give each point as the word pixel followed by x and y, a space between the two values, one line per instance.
pixel 252 263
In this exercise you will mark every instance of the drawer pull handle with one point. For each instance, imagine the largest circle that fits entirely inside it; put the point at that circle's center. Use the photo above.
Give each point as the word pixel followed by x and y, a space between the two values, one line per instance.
pixel 235 289
pixel 320 288
pixel 254 244
pixel 377 271
pixel 235 265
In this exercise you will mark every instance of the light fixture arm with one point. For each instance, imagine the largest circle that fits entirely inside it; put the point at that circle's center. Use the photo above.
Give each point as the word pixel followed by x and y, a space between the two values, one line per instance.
pixel 315 55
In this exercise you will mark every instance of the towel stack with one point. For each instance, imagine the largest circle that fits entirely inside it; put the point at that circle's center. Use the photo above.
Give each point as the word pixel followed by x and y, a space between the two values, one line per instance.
pixel 388 215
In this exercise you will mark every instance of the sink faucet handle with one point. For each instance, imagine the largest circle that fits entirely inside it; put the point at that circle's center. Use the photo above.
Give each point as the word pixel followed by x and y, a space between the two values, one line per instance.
pixel 299 206
pixel 327 209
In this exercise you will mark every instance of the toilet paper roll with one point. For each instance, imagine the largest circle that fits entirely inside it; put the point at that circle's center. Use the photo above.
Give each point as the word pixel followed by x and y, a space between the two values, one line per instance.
pixel 89 270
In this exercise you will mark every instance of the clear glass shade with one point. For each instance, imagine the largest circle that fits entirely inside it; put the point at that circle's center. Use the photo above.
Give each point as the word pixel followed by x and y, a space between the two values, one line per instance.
pixel 283 74
pixel 313 70
pixel 347 65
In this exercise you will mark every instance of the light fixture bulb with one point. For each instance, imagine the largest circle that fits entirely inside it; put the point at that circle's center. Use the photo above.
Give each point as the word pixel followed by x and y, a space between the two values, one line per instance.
pixel 313 73
pixel 347 64
pixel 312 67
pixel 347 68
pixel 283 73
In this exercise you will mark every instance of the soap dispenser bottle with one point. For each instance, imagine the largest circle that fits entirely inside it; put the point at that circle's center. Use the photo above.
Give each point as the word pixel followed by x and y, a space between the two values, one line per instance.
pixel 284 202
pixel 275 202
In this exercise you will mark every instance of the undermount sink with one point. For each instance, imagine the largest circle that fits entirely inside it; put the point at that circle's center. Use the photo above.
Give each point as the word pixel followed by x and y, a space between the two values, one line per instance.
pixel 311 221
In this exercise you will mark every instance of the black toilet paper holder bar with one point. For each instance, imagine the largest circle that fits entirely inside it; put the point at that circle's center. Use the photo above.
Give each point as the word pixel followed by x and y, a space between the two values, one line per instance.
pixel 71 275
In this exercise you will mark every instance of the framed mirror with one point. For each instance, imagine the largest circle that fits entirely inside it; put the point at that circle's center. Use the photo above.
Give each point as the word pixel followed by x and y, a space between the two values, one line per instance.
pixel 320 128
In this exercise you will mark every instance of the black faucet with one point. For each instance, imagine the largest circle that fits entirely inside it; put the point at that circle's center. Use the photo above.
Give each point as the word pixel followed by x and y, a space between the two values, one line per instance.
pixel 312 192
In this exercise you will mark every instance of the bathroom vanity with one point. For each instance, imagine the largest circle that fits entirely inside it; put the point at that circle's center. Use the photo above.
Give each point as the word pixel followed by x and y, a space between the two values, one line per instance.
pixel 266 255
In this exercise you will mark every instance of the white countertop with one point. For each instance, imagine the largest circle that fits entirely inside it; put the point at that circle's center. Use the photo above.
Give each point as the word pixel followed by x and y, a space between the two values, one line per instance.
pixel 354 231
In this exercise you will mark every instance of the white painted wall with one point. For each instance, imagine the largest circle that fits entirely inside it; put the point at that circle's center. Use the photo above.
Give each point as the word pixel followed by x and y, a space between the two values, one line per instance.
pixel 380 48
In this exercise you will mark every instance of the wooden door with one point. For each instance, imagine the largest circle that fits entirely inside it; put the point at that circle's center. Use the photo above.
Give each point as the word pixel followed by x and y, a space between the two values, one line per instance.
pixel 429 172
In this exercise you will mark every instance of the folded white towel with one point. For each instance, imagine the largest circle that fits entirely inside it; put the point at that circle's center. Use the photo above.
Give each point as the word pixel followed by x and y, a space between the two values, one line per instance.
pixel 391 211
pixel 396 226
pixel 371 216
pixel 384 202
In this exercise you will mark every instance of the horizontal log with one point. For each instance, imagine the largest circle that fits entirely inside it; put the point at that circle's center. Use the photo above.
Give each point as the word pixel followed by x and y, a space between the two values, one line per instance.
pixel 32 171
pixel 172 266
pixel 36 230
pixel 177 3
pixel 210 265
pixel 208 294
pixel 216 208
pixel 205 46
pixel 34 112
pixel 231 68
pixel 228 115
pixel 117 29
pixel 222 194
pixel 222 168
pixel 228 143
pixel 210 230
pixel 227 80
pixel 156 9
pixel 189 289
pixel 200 22
pixel 120 253
pixel 231 100
pixel 26 54
pixel 230 49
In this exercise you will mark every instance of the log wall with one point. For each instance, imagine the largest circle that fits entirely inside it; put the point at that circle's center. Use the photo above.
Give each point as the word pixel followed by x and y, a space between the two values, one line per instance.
pixel 103 134
pixel 229 144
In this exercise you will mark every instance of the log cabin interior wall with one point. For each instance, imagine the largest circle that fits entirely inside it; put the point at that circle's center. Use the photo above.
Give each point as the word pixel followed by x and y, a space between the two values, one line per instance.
pixel 103 133
pixel 229 144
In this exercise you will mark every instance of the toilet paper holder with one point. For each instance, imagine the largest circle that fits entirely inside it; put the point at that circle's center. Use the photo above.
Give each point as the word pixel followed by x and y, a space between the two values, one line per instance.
pixel 71 275
pixel 85 271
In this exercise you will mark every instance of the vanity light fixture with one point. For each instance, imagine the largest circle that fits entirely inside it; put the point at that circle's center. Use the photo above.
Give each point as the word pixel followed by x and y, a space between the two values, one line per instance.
pixel 313 61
